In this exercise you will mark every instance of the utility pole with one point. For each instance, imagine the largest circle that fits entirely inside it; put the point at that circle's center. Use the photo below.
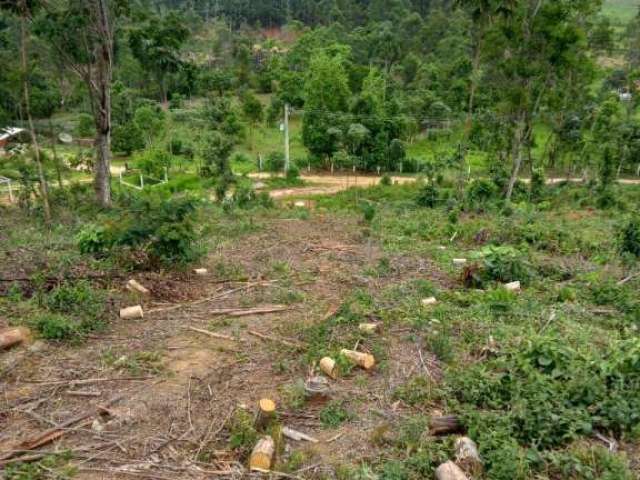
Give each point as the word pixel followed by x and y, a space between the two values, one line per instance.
pixel 286 138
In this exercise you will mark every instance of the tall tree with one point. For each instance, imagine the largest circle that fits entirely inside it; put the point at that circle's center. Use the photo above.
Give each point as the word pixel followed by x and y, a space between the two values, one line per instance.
pixel 82 32
pixel 156 44
pixel 24 10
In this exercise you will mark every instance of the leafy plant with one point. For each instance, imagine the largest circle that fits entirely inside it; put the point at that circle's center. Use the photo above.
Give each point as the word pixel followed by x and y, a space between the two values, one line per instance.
pixel 334 414
pixel 630 236
pixel 496 263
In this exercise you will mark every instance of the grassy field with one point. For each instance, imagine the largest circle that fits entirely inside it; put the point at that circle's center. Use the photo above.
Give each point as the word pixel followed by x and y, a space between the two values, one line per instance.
pixel 621 11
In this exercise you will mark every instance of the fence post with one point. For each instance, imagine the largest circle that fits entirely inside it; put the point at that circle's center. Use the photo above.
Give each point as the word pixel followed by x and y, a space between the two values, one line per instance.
pixel 141 182
pixel 10 192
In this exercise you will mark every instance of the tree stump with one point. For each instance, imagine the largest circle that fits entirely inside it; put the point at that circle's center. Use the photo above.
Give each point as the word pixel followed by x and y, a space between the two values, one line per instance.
pixel 445 425
pixel 328 367
pixel 450 471
pixel 266 413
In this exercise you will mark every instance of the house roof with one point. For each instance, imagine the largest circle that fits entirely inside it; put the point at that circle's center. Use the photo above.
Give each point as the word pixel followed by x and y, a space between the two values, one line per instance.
pixel 9 132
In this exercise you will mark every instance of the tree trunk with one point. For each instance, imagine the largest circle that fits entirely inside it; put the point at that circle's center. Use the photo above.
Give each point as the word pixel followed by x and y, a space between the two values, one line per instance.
pixel 44 190
pixel 516 155
pixel 102 104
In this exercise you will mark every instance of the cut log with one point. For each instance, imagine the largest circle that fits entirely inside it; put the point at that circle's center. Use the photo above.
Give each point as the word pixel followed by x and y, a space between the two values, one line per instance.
pixel 132 313
pixel 459 261
pixel 328 367
pixel 297 436
pixel 243 312
pixel 200 271
pixel 13 336
pixel 370 328
pixel 364 360
pixel 262 455
pixel 467 455
pixel 450 471
pixel 445 425
pixel 136 287
pixel 512 287
pixel 428 302
pixel 266 413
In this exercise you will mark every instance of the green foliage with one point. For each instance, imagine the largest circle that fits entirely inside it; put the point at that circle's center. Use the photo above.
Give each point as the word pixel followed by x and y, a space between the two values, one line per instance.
pixel 53 326
pixel 154 231
pixel 154 162
pixel 385 181
pixel 501 264
pixel 127 138
pixel 334 414
pixel 242 432
pixel 630 236
pixel 428 196
pixel 50 467
pixel 86 126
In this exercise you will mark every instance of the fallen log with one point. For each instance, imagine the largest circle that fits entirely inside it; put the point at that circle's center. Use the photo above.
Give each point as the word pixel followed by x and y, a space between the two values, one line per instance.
pixel 364 360
pixel 200 271
pixel 328 367
pixel 450 471
pixel 445 425
pixel 428 302
pixel 13 336
pixel 135 286
pixel 512 286
pixel 370 328
pixel 132 313
pixel 297 436
pixel 262 455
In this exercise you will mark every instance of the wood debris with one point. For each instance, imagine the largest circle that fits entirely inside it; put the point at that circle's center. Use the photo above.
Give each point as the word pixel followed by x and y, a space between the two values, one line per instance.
pixel 297 436
pixel 132 313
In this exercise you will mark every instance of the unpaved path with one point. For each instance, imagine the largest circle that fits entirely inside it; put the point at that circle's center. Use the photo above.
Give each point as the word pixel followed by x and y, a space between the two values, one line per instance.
pixel 332 184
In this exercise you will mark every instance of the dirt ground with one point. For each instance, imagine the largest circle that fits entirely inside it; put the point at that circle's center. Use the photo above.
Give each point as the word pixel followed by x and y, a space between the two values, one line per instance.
pixel 159 397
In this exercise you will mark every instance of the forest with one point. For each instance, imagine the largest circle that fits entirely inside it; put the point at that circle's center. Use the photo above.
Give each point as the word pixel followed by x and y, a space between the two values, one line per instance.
pixel 320 239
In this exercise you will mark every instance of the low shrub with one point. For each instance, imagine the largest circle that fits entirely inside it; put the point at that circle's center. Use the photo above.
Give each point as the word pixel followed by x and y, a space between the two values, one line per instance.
pixel 53 326
pixel 630 236
pixel 496 263
pixel 428 196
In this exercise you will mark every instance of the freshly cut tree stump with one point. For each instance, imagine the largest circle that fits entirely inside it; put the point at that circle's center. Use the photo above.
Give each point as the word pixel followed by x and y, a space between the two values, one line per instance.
pixel 132 313
pixel 445 425
pixel 200 271
pixel 370 328
pixel 467 455
pixel 428 302
pixel 328 367
pixel 364 360
pixel 13 336
pixel 513 287
pixel 266 413
pixel 262 455
pixel 134 286
pixel 450 471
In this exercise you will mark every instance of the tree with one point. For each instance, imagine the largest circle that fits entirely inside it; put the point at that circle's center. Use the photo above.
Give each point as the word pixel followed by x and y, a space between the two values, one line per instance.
pixel 24 9
pixel 326 97
pixel 253 112
pixel 156 44
pixel 81 34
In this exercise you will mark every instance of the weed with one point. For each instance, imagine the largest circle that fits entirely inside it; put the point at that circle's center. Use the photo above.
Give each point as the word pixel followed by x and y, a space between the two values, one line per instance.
pixel 415 392
pixel 630 237
pixel 294 395
pixel 50 467
pixel 53 326
pixel 242 432
pixel 334 414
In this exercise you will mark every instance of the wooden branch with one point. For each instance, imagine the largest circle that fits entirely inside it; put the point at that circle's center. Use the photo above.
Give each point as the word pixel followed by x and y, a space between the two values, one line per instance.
pixel 288 343
pixel 241 312
pixel 219 336
pixel 297 436
pixel 56 432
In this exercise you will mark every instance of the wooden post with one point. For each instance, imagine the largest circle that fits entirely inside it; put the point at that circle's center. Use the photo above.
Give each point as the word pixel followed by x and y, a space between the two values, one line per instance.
pixel 286 138
pixel 262 455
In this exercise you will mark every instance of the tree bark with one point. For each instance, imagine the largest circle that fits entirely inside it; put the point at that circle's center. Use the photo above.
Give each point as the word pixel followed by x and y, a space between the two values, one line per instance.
pixel 516 155
pixel 44 190
pixel 102 102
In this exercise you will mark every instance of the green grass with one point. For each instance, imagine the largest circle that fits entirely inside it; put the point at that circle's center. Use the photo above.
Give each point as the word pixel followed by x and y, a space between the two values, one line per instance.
pixel 621 11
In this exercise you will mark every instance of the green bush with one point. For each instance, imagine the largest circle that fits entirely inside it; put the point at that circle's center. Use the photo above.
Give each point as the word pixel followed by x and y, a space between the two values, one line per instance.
pixel 630 237
pixel 154 230
pixel 497 263
pixel 274 162
pixel 428 196
pixel 127 138
pixel 86 126
pixel 53 326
